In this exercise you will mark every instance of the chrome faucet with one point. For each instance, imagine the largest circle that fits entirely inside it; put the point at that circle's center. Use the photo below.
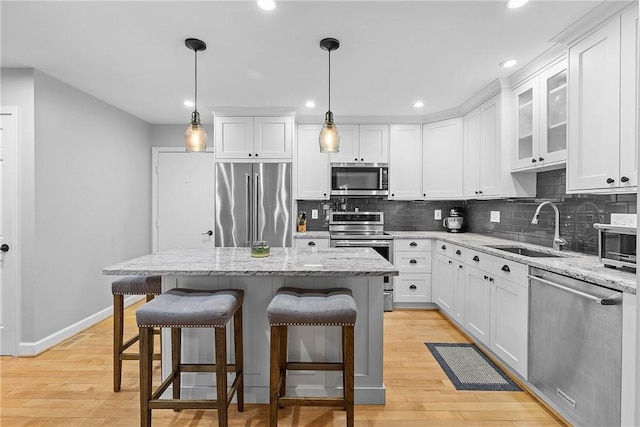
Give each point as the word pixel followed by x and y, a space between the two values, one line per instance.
pixel 558 241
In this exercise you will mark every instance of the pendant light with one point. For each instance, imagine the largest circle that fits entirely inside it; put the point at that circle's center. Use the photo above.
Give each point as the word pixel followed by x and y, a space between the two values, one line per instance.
pixel 329 136
pixel 195 137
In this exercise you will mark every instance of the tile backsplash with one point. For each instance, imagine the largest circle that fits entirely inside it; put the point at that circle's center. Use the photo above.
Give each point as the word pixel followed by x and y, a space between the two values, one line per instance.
pixel 578 212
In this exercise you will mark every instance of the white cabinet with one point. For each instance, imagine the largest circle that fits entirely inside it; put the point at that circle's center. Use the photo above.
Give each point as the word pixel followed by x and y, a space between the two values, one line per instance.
pixel 540 120
pixel 253 138
pixel 496 306
pixel 442 149
pixel 318 243
pixel 405 165
pixel 482 150
pixel 362 144
pixel 448 289
pixel 603 115
pixel 413 259
pixel 312 166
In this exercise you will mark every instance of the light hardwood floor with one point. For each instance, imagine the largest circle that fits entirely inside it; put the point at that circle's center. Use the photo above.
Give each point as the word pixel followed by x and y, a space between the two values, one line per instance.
pixel 70 385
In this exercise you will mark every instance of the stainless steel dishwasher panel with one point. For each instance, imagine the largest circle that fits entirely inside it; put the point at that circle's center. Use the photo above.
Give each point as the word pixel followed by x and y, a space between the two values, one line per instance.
pixel 575 347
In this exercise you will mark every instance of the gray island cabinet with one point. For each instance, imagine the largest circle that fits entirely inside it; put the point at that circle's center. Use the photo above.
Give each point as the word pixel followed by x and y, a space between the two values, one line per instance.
pixel 361 270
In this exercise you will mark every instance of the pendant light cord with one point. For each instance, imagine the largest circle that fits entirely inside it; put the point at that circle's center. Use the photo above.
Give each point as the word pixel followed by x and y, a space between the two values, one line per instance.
pixel 195 102
pixel 329 79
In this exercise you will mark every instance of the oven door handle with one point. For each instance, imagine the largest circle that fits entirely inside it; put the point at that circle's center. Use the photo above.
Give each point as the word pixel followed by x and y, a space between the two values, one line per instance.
pixel 362 243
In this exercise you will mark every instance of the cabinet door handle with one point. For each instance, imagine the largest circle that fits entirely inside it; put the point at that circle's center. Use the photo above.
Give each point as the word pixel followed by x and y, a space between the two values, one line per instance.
pixel 505 268
pixel 355 160
pixel 413 287
pixel 476 192
pixel 460 266
pixel 491 279
pixel 479 191
pixel 413 261
pixel 443 247
pixel 208 233
pixel 610 180
pixel 362 160
pixel 486 277
pixel 541 159
pixel 450 262
pixel 475 258
pixel 256 154
pixel 311 243
pixel 249 154
pixel 624 179
pixel 533 160
pixel 458 252
pixel 413 244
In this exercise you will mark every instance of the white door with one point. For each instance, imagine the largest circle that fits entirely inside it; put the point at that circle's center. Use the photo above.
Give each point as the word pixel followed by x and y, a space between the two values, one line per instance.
pixel 183 199
pixel 312 168
pixel 8 218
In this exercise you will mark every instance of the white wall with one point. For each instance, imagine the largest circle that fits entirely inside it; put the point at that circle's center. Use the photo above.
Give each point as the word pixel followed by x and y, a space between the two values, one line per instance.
pixel 173 135
pixel 89 178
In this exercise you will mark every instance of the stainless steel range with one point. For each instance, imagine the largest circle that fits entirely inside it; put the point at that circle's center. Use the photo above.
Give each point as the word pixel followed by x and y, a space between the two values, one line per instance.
pixel 364 230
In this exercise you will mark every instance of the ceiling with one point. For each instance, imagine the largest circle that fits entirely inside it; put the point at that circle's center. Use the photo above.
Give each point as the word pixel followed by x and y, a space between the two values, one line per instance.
pixel 393 53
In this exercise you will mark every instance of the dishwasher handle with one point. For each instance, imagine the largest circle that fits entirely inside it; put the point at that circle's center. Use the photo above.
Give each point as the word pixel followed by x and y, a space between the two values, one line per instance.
pixel 611 300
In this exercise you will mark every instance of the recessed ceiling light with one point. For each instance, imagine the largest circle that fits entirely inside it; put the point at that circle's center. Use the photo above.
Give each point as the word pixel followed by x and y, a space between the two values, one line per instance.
pixel 514 4
pixel 507 63
pixel 309 104
pixel 267 4
pixel 188 103
pixel 418 104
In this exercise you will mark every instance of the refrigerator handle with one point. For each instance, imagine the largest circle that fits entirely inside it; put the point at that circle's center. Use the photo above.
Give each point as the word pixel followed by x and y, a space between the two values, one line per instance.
pixel 248 208
pixel 256 188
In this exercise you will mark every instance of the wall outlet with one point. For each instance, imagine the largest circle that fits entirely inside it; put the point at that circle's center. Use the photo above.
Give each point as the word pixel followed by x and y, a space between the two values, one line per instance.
pixel 314 213
pixel 437 214
pixel 495 216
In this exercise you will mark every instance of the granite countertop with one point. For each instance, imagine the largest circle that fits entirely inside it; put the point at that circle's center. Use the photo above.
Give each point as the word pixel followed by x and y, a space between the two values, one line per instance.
pixel 573 264
pixel 238 262
pixel 311 235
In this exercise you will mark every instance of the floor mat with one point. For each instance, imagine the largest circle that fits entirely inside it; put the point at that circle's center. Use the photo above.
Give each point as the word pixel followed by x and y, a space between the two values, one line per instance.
pixel 469 369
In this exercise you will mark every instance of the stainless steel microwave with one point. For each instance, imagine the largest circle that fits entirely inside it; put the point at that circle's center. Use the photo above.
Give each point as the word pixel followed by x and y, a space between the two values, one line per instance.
pixel 359 181
pixel 616 245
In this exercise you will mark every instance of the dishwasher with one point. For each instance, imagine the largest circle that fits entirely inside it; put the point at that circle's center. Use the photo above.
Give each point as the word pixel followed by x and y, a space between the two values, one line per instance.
pixel 575 347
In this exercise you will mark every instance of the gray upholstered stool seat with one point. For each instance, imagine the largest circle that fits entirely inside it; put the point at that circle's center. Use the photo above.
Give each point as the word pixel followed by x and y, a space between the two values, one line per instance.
pixel 310 307
pixel 186 308
pixel 129 285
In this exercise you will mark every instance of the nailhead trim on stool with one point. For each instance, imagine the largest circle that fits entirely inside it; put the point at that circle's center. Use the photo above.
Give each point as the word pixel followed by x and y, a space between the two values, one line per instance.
pixel 310 307
pixel 129 285
pixel 186 308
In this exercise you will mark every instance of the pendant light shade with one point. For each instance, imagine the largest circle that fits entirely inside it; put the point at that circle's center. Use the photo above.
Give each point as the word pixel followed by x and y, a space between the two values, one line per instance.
pixel 195 137
pixel 329 136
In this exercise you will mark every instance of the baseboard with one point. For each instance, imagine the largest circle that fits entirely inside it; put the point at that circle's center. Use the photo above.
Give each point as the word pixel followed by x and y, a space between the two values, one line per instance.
pixel 32 349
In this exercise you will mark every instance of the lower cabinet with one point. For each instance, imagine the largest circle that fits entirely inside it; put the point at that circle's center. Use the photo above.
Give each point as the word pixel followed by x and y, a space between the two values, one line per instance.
pixel 413 258
pixel 495 305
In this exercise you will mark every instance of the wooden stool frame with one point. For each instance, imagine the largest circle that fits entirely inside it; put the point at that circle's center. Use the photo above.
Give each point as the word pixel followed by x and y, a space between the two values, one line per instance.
pixel 278 375
pixel 151 400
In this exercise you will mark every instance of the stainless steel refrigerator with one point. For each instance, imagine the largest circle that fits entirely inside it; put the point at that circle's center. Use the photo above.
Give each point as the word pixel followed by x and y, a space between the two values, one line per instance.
pixel 253 203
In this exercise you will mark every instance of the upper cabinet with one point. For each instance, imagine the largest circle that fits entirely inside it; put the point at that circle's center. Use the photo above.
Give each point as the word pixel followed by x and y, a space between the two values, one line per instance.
pixel 253 138
pixel 442 151
pixel 362 144
pixel 482 150
pixel 540 120
pixel 312 166
pixel 405 168
pixel 603 115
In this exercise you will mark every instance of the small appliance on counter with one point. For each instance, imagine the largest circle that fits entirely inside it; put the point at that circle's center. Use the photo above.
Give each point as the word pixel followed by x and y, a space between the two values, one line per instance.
pixel 455 221
pixel 617 241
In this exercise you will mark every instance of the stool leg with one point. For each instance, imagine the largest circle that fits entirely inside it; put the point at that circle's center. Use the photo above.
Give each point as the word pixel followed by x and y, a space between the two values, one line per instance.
pixel 146 355
pixel 176 359
pixel 349 373
pixel 221 375
pixel 118 331
pixel 282 357
pixel 274 374
pixel 239 356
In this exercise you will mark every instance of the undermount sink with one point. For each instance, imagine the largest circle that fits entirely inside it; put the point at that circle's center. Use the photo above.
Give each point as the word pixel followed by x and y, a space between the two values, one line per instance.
pixel 525 251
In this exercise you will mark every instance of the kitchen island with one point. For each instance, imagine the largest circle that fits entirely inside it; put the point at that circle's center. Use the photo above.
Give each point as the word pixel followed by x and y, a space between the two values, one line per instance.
pixel 361 270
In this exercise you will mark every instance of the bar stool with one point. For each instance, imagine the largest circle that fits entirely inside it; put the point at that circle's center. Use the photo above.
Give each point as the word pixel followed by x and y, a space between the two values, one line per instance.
pixel 310 307
pixel 186 308
pixel 130 285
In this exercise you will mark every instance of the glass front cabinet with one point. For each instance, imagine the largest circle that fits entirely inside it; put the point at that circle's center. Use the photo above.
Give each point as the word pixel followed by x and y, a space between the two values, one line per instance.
pixel 541 120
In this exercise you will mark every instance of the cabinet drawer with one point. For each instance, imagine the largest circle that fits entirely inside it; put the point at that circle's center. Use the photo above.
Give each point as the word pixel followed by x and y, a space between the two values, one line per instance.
pixel 497 266
pixel 311 243
pixel 412 244
pixel 444 248
pixel 413 262
pixel 412 288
